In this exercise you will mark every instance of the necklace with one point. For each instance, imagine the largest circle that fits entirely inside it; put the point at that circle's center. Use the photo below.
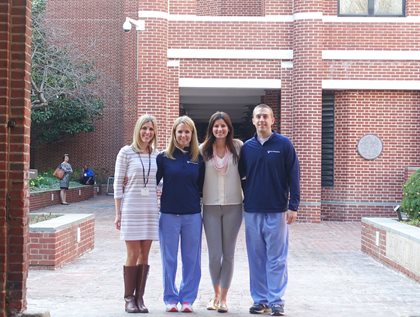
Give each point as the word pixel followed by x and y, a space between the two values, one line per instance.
pixel 220 164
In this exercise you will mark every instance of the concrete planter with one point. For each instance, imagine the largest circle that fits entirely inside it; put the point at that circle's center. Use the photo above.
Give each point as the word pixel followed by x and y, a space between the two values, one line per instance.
pixel 57 241
pixel 393 243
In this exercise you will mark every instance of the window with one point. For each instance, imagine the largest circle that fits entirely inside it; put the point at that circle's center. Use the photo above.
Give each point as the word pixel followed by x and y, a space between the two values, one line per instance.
pixel 371 7
pixel 327 151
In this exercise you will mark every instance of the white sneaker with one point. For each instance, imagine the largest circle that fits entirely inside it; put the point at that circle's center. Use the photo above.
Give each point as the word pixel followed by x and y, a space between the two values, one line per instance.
pixel 186 308
pixel 171 308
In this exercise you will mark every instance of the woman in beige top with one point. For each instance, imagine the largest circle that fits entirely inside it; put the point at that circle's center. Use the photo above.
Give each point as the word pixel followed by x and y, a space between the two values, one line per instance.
pixel 222 201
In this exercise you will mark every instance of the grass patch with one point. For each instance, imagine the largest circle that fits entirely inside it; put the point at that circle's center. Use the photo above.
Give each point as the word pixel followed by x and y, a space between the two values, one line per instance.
pixel 35 218
pixel 414 222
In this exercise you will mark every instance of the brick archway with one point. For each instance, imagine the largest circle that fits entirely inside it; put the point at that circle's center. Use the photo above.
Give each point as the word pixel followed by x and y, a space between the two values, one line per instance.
pixel 15 111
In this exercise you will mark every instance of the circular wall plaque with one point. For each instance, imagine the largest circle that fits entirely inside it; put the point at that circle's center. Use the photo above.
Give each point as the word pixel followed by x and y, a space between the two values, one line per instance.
pixel 369 147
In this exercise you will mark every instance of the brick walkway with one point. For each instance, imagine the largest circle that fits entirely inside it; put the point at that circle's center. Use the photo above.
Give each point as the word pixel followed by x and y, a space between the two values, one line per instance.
pixel 328 276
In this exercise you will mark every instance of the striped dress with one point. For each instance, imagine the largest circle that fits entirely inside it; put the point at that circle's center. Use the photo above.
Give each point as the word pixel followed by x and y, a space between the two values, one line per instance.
pixel 139 213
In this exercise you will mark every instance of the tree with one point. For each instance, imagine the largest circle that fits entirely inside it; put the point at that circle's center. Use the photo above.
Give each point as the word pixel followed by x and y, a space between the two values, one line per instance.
pixel 66 98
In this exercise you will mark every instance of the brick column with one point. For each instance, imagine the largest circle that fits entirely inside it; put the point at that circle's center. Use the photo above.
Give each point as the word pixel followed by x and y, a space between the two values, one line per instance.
pixel 272 98
pixel 14 153
pixel 286 111
pixel 307 103
pixel 152 63
pixel 130 73
pixel 172 107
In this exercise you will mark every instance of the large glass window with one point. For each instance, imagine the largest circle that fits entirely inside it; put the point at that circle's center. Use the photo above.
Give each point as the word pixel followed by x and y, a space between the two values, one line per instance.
pixel 371 7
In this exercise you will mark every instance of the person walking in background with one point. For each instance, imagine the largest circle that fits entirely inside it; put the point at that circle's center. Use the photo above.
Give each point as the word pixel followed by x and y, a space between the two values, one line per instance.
pixel 270 166
pixel 182 169
pixel 65 181
pixel 136 209
pixel 222 204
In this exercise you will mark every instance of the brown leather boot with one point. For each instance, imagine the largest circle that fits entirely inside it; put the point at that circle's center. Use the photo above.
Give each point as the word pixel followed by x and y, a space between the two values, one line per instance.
pixel 130 280
pixel 143 271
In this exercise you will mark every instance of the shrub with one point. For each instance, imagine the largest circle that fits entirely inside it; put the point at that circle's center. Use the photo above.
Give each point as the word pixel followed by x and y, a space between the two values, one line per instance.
pixel 411 196
pixel 44 180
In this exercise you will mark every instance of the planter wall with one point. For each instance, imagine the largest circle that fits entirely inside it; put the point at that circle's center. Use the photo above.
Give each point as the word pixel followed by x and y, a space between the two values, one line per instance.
pixel 392 243
pixel 60 240
pixel 52 197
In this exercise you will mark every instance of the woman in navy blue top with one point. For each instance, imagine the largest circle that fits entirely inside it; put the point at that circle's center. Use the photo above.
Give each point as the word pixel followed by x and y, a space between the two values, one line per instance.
pixel 182 169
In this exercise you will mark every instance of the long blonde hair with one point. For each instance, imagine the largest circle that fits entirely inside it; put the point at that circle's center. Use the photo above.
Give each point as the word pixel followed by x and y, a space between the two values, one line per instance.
pixel 136 133
pixel 173 144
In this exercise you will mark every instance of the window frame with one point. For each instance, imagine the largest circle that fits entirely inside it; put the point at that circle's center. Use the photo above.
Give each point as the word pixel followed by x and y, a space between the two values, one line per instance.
pixel 328 139
pixel 371 9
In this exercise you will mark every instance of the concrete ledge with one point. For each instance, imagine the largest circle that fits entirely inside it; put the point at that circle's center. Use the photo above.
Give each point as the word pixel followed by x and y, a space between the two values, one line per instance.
pixel 57 241
pixel 394 244
pixel 59 223
pixel 35 314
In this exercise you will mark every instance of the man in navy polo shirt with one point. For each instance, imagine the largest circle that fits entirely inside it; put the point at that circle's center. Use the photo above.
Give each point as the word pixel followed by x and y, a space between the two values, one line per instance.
pixel 270 169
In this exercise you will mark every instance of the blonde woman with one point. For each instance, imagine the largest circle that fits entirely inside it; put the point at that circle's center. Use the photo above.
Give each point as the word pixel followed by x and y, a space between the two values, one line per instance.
pixel 182 169
pixel 136 210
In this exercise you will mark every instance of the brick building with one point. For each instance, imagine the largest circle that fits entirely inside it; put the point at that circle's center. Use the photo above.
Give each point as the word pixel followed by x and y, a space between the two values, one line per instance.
pixel 342 78
pixel 343 81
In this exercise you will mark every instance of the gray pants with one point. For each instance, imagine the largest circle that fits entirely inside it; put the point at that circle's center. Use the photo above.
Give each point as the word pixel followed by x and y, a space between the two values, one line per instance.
pixel 221 225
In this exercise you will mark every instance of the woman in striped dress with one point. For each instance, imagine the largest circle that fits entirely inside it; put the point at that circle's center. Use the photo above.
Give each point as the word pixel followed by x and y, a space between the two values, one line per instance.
pixel 136 210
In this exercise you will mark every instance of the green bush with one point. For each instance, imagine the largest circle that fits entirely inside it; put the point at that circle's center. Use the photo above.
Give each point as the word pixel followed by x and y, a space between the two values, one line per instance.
pixel 411 196
pixel 44 180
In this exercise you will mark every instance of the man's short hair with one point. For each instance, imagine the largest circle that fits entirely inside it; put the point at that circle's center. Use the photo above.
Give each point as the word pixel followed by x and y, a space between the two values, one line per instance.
pixel 263 106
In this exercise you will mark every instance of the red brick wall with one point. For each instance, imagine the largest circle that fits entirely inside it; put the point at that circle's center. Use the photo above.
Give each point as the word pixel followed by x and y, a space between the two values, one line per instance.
pixel 358 184
pixel 372 70
pixel 172 107
pixel 4 134
pixel 363 187
pixel 53 249
pixel 128 52
pixel 369 241
pixel 278 7
pixel 183 6
pixel 225 8
pixel 368 245
pixel 410 170
pixel 232 68
pixel 153 87
pixel 371 36
pixel 229 35
pixel 286 110
pixel 97 31
pixel 14 153
pixel 272 98
pixel 230 8
pixel 44 199
pixel 307 100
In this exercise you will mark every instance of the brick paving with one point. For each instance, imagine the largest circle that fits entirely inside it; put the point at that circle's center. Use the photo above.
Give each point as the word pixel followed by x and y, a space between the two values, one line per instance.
pixel 328 275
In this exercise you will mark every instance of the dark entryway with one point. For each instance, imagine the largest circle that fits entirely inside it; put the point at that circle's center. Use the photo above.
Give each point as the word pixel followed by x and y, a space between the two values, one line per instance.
pixel 201 103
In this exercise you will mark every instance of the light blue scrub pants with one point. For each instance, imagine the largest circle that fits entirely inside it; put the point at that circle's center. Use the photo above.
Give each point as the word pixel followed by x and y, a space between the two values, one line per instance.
pixel 171 229
pixel 267 241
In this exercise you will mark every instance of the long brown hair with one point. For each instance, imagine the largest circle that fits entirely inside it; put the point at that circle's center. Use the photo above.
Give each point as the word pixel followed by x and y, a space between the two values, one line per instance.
pixel 207 147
